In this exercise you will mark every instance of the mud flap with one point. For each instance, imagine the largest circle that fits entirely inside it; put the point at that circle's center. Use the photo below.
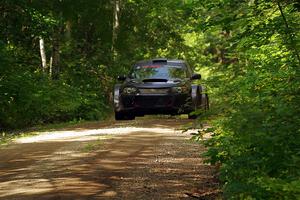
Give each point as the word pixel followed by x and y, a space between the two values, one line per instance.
pixel 199 97
pixel 117 102
pixel 203 97
pixel 195 96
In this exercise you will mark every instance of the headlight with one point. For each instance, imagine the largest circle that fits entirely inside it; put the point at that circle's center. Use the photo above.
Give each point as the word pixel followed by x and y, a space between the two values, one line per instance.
pixel 180 90
pixel 130 90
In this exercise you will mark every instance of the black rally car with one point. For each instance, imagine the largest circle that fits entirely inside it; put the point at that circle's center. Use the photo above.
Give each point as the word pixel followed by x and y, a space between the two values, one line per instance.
pixel 159 86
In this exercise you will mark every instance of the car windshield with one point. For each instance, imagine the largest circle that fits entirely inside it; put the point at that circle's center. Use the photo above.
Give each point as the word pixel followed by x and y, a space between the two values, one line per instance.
pixel 158 72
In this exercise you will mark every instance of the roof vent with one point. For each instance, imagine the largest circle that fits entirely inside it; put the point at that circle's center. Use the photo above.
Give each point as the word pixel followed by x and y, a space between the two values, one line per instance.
pixel 159 60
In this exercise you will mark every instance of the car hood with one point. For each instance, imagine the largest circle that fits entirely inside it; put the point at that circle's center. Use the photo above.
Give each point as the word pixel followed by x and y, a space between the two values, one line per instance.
pixel 153 83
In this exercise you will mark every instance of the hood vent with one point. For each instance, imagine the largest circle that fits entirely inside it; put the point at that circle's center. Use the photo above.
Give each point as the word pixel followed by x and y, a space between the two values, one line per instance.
pixel 155 80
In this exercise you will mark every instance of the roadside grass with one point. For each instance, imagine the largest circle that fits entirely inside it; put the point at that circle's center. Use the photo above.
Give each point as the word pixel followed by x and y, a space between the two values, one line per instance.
pixel 92 146
pixel 7 137
pixel 95 145
pixel 59 126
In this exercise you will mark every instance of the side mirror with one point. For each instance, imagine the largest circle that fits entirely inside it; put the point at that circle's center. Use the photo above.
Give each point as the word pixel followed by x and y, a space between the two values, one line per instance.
pixel 196 77
pixel 121 78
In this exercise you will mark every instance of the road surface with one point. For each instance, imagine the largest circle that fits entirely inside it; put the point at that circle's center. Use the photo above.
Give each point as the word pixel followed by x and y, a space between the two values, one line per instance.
pixel 141 159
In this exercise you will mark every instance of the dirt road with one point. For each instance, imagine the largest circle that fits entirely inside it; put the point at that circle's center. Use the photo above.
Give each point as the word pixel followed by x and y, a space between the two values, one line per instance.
pixel 141 159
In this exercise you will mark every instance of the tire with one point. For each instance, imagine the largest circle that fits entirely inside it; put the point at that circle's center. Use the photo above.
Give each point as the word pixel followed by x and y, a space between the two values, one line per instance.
pixel 192 116
pixel 124 116
pixel 139 114
pixel 119 116
pixel 130 117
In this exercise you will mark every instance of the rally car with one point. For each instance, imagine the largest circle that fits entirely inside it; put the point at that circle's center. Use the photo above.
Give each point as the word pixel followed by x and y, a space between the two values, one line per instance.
pixel 159 86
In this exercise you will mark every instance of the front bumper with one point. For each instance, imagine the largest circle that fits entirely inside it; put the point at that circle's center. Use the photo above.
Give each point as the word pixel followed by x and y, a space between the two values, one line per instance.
pixel 154 103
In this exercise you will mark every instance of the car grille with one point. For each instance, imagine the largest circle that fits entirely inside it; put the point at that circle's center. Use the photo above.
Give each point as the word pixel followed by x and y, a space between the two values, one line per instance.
pixel 150 102
pixel 154 91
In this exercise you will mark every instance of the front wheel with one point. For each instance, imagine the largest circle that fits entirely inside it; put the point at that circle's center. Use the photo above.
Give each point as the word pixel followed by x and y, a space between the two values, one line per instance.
pixel 119 116
pixel 124 116
pixel 192 116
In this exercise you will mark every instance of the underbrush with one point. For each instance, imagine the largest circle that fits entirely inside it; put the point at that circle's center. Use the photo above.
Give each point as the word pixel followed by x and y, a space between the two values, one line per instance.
pixel 256 138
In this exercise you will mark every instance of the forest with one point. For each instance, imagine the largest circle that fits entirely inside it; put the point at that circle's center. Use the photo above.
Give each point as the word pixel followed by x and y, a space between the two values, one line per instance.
pixel 59 60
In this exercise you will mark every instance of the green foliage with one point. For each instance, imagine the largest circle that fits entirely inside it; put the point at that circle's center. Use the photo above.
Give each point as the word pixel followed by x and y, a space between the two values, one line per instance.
pixel 81 60
pixel 256 91
pixel 32 98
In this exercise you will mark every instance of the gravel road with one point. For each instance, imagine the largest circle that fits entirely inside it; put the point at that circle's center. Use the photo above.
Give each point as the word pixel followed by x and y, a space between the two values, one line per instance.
pixel 142 159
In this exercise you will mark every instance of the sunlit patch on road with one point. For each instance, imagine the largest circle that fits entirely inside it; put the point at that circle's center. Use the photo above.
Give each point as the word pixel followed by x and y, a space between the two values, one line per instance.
pixel 81 135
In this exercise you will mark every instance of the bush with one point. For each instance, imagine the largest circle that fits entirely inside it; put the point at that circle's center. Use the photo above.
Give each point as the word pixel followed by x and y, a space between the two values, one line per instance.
pixel 256 89
pixel 257 137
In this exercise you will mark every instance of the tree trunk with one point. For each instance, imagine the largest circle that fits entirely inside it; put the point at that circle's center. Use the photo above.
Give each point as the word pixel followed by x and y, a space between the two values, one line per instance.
pixel 50 67
pixel 116 25
pixel 55 59
pixel 43 55
pixel 289 33
pixel 55 71
pixel 68 29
